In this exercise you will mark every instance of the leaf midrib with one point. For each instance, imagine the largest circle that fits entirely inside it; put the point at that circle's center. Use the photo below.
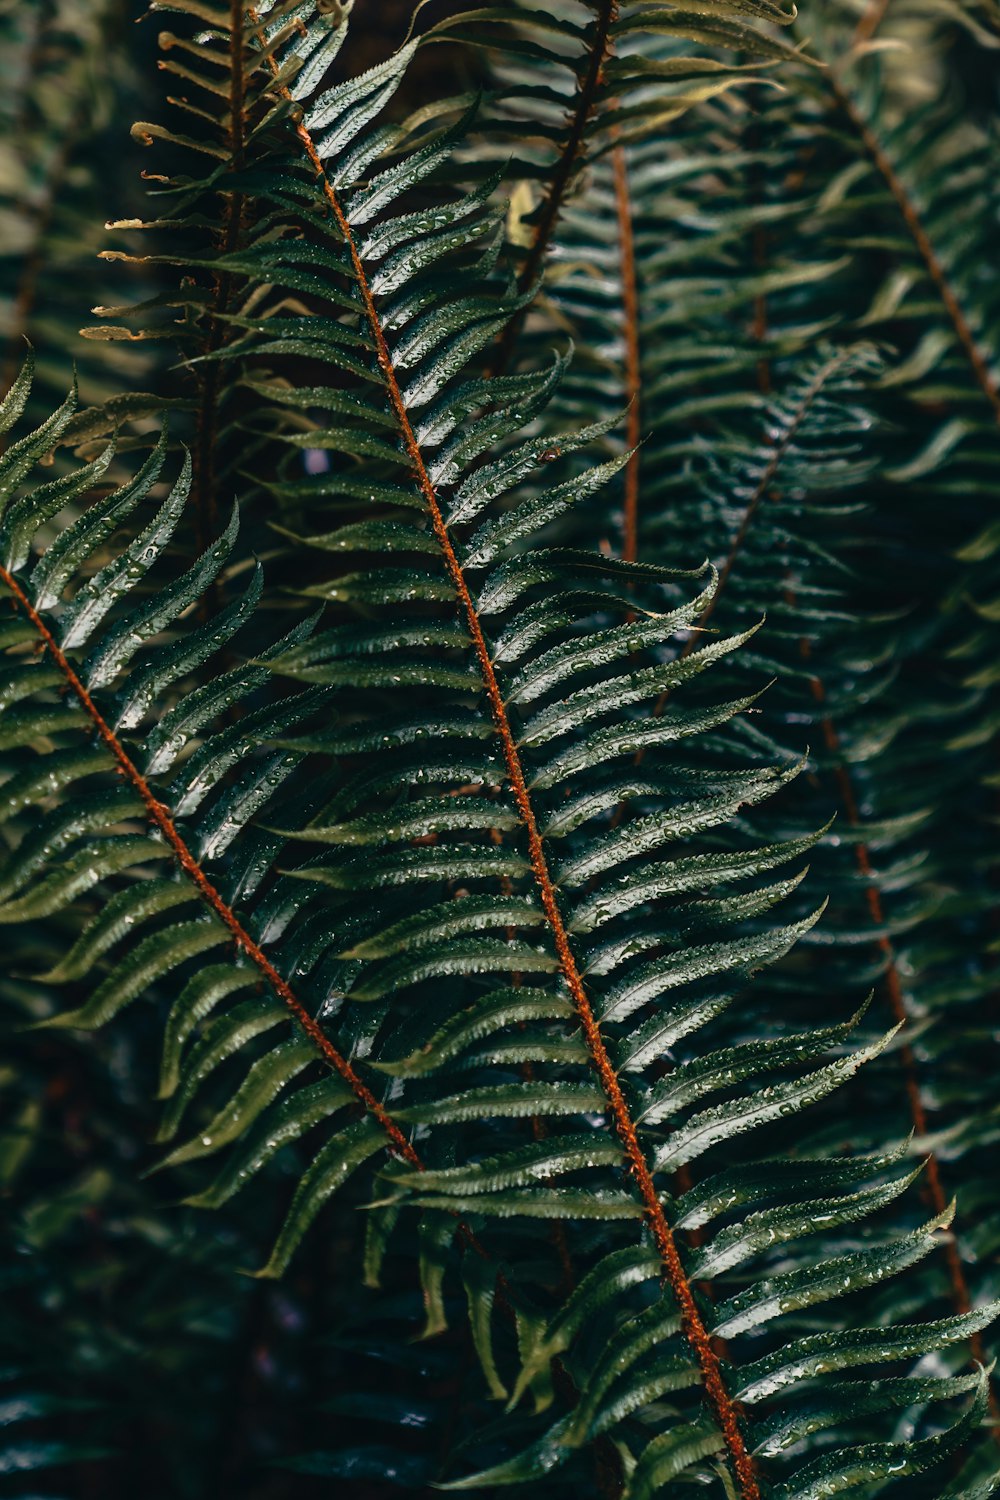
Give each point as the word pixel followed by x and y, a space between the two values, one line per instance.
pixel 160 816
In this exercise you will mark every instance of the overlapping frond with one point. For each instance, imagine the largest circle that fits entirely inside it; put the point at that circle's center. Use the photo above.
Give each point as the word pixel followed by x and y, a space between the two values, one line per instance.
pixel 919 176
pixel 788 560
pixel 575 92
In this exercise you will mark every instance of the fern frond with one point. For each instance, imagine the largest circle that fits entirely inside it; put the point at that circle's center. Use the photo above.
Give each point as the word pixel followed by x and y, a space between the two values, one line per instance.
pixel 379 273
pixel 215 821
pixel 583 89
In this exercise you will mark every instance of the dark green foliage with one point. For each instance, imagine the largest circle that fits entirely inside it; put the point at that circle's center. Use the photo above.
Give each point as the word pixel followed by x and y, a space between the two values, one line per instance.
pixel 70 74
pixel 536 847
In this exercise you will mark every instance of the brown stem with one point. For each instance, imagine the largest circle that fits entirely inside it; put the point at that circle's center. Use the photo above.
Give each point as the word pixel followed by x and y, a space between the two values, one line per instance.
pixel 980 369
pixel 722 1404
pixel 204 486
pixel 894 989
pixel 871 20
pixel 465 1235
pixel 160 816
pixel 633 369
pixel 760 259
pixel 538 1123
pixel 597 57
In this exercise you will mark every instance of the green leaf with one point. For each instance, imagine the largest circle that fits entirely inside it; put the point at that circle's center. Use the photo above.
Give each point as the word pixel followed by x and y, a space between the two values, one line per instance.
pixel 149 961
pixel 336 1162
pixel 839 1349
pixel 541 1458
pixel 507 1101
pixel 670 1454
pixel 265 1079
pixel 845 1273
pixel 284 1123
pixel 721 1122
pixel 871 1462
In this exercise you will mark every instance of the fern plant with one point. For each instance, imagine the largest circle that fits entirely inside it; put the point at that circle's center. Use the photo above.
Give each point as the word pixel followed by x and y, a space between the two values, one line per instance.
pixel 440 854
